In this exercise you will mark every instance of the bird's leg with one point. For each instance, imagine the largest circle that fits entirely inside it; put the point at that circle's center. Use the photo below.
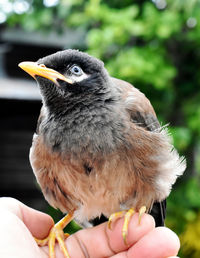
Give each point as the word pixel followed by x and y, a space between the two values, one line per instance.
pixel 127 217
pixel 57 234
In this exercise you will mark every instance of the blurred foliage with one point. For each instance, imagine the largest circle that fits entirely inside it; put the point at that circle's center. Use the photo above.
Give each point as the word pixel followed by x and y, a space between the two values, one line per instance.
pixel 190 238
pixel 154 45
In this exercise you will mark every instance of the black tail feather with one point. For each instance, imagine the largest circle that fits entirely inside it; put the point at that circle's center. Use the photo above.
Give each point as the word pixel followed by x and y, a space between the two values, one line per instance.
pixel 159 212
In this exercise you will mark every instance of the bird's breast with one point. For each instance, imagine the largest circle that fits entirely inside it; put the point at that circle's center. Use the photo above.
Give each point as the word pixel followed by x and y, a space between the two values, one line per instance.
pixel 90 129
pixel 91 187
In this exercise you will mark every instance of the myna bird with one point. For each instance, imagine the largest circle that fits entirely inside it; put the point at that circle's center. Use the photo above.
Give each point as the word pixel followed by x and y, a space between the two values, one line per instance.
pixel 99 148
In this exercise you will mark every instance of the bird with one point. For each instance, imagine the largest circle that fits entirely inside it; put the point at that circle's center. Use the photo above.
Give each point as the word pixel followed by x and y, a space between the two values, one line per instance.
pixel 99 149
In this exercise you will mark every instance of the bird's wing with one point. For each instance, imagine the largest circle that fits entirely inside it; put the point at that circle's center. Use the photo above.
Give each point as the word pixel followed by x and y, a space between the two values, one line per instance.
pixel 138 106
pixel 142 114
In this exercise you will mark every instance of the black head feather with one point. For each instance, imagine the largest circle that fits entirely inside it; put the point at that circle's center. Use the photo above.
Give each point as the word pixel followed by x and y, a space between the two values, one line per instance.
pixel 62 61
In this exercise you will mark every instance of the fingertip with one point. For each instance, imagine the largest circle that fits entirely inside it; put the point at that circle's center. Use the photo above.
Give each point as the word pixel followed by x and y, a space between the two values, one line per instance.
pixel 172 238
pixel 38 223
pixel 160 242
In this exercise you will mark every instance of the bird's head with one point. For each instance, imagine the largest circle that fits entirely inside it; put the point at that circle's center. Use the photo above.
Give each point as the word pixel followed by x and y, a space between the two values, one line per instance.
pixel 67 73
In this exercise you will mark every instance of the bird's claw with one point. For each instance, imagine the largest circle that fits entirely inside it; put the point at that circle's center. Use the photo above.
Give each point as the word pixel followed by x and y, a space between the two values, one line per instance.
pixel 56 234
pixel 115 216
pixel 142 210
pixel 127 217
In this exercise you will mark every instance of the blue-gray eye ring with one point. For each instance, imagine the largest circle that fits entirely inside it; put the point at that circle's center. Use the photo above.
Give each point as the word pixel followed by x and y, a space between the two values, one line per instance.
pixel 76 70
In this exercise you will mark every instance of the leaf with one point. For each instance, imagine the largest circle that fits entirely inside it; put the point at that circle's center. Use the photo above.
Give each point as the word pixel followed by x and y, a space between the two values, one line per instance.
pixel 181 137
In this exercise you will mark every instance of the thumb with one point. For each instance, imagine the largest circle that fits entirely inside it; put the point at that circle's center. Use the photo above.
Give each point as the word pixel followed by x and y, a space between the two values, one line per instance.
pixel 38 223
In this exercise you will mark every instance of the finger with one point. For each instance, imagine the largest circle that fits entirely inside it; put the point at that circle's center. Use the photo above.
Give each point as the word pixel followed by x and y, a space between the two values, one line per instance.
pixel 37 222
pixel 158 243
pixel 173 257
pixel 15 239
pixel 102 242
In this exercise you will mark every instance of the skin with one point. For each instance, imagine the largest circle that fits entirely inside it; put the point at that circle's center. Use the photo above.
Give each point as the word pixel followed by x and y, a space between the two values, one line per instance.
pixel 18 223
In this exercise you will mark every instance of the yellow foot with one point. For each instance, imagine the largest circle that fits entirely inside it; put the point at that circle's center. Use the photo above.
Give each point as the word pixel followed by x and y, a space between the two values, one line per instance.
pixel 57 234
pixel 127 217
pixel 115 216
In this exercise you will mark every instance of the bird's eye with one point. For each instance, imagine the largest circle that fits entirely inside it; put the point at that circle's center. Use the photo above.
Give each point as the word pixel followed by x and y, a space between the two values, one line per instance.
pixel 76 70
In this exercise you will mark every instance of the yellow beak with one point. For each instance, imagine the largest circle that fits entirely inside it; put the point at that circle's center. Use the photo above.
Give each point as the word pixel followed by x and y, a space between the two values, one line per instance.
pixel 34 69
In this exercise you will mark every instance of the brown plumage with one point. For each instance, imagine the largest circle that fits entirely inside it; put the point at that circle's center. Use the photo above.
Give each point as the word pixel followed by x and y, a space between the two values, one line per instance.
pixel 99 147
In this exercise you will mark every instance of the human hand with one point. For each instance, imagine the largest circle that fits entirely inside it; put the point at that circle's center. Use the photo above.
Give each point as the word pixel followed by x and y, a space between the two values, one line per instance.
pixel 19 223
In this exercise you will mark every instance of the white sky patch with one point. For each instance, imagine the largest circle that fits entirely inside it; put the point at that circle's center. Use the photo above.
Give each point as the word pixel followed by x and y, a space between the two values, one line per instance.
pixel 50 3
pixel 20 6
pixel 191 22
pixel 3 17
pixel 6 6
pixel 160 4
